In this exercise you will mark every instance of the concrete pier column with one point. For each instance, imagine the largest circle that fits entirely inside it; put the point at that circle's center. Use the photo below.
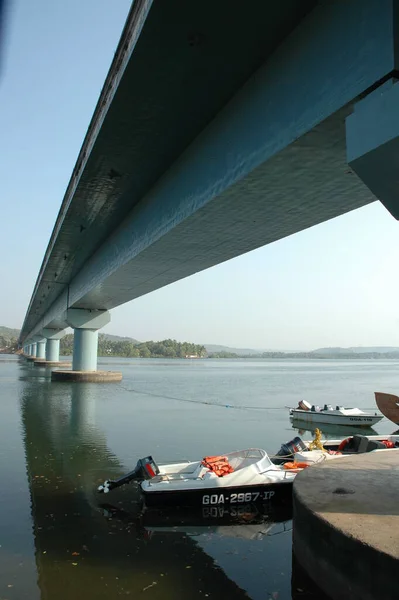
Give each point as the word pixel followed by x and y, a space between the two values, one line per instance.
pixel 85 346
pixel 53 350
pixel 32 350
pixel 86 324
pixel 52 355
pixel 41 349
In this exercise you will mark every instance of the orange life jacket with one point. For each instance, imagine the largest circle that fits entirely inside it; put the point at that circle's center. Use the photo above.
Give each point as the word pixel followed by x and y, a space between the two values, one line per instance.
pixel 218 465
pixel 295 465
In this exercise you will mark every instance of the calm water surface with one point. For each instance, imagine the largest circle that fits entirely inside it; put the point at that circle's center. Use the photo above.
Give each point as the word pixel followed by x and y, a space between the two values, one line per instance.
pixel 57 441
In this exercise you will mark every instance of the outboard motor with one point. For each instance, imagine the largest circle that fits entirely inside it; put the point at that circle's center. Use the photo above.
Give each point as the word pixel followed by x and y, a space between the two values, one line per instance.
pixel 146 468
pixel 288 450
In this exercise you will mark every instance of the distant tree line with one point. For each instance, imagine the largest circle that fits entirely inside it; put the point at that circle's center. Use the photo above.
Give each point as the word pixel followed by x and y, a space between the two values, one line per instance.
pixel 128 349
pixel 173 349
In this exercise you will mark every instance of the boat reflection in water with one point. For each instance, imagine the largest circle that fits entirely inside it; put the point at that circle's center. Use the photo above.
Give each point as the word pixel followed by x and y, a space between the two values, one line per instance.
pixel 247 522
pixel 330 431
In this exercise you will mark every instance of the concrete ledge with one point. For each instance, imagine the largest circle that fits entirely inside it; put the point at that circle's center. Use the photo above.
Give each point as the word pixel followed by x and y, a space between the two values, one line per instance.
pixel 98 376
pixel 346 519
pixel 31 358
pixel 52 363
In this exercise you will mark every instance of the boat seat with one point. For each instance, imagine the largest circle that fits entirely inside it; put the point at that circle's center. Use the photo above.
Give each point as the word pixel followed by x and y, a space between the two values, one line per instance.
pixel 375 445
pixel 359 444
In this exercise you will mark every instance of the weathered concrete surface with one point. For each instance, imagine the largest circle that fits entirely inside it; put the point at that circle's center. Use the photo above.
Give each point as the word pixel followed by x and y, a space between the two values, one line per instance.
pixel 346 524
pixel 52 363
pixel 86 376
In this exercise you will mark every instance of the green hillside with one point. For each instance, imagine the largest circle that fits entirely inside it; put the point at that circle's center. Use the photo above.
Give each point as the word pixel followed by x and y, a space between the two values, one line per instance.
pixel 9 332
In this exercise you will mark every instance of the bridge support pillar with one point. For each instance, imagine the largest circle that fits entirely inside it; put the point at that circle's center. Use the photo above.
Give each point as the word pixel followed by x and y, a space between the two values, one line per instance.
pixel 53 350
pixel 85 346
pixel 32 352
pixel 86 324
pixel 41 349
pixel 52 355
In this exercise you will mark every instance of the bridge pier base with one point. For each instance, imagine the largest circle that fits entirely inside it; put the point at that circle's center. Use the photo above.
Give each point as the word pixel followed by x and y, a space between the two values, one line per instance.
pixel 86 324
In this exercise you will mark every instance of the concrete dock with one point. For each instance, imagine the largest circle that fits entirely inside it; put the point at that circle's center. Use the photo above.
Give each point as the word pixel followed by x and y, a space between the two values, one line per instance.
pixel 346 526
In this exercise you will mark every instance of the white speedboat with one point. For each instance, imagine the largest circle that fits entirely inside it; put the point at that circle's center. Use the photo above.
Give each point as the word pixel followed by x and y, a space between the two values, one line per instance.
pixel 241 477
pixel 308 413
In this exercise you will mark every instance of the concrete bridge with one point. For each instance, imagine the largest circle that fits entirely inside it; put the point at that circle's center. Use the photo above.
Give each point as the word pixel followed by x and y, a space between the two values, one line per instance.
pixel 220 128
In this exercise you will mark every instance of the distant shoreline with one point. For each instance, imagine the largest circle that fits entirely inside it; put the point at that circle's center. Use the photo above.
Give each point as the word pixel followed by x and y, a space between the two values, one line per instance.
pixel 363 356
pixel 125 347
pixel 258 357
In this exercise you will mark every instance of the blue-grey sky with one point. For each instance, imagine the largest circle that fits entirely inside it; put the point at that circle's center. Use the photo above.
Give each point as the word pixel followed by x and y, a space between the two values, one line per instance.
pixel 333 285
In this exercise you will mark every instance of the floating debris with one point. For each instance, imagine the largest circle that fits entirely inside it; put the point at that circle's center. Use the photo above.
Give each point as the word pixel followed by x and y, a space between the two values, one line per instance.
pixel 150 586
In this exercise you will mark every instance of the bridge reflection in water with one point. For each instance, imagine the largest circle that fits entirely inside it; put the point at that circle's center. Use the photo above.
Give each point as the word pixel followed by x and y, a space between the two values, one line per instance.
pixel 84 549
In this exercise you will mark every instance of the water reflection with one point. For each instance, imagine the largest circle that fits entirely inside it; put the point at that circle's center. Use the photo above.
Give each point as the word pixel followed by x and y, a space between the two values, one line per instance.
pixel 82 550
pixel 329 431
pixel 248 522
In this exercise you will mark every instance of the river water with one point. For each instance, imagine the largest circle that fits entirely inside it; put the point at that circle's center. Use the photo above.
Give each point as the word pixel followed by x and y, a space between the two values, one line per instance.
pixel 58 440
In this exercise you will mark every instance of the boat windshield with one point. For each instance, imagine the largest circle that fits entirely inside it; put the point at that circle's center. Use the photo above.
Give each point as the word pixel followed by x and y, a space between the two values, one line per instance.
pixel 245 458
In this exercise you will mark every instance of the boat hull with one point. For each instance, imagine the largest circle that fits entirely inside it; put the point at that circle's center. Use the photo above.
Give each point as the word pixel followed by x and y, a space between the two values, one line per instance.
pixel 225 496
pixel 388 404
pixel 315 418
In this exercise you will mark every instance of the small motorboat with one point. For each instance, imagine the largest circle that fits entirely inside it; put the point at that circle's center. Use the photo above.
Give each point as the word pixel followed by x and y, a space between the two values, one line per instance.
pixel 243 477
pixel 318 450
pixel 308 413
pixel 388 405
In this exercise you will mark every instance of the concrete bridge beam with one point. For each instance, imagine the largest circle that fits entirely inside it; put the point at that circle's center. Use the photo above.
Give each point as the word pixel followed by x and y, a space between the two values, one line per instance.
pixel 372 134
pixel 86 324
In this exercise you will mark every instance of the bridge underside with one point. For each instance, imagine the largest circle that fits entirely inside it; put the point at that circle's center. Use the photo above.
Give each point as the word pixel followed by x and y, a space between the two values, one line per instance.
pixel 218 130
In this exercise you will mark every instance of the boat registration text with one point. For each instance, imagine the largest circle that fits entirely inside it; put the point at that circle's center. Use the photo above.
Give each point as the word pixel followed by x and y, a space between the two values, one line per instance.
pixel 236 498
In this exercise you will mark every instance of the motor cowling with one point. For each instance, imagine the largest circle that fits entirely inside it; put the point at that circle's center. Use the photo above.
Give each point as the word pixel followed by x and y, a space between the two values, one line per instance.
pixel 288 450
pixel 146 468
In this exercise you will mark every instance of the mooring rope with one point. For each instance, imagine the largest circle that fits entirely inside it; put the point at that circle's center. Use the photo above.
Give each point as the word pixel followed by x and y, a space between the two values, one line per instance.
pixel 205 402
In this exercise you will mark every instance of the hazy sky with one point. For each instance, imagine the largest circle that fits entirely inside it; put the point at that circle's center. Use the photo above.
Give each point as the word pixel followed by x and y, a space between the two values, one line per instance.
pixel 333 285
